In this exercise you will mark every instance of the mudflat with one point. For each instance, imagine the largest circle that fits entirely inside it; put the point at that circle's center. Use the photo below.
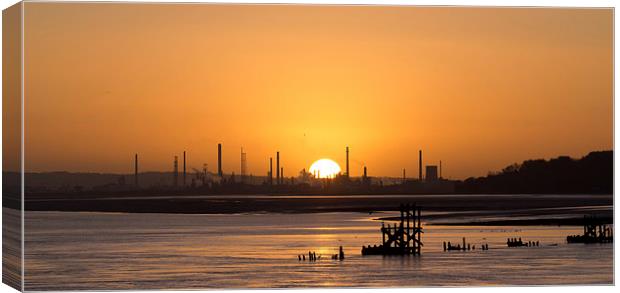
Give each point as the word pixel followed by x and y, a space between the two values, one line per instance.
pixel 530 209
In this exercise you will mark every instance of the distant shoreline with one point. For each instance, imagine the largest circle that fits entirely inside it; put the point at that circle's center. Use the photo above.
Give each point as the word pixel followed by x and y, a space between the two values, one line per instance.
pixel 591 174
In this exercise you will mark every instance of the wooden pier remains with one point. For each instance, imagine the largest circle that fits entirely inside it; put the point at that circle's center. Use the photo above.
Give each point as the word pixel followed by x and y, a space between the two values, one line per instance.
pixel 447 246
pixel 403 238
pixel 514 242
pixel 594 231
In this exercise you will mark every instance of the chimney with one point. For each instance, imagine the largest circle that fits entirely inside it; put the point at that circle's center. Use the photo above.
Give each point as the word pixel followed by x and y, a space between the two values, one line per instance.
pixel 219 160
pixel 277 167
pixel 365 173
pixel 420 162
pixel 136 169
pixel 440 170
pixel 348 174
pixel 270 171
pixel 184 170
pixel 176 171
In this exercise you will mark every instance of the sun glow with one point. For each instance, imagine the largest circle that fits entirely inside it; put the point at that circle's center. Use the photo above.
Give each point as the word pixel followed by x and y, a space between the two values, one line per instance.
pixel 325 168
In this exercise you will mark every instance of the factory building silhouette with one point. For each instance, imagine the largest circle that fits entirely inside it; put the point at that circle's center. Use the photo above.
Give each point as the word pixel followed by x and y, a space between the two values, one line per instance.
pixel 431 173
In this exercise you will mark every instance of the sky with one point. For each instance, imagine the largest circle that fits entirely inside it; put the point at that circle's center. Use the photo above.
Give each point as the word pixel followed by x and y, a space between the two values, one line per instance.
pixel 477 88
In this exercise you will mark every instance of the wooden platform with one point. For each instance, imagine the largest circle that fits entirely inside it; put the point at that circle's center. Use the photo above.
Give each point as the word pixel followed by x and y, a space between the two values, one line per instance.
pixel 403 238
pixel 594 231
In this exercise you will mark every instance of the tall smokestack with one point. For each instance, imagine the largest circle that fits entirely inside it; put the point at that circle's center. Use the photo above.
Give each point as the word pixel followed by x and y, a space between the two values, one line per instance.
pixel 420 162
pixel 404 175
pixel 270 171
pixel 348 174
pixel 184 170
pixel 219 160
pixel 365 173
pixel 277 167
pixel 136 169
pixel 281 175
pixel 176 171
pixel 440 169
pixel 243 166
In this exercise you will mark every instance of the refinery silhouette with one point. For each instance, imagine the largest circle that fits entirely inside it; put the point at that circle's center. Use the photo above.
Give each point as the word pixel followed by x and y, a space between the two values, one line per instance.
pixel 182 180
pixel 303 182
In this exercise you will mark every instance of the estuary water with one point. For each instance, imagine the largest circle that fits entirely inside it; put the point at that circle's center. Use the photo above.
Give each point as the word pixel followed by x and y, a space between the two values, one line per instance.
pixel 90 250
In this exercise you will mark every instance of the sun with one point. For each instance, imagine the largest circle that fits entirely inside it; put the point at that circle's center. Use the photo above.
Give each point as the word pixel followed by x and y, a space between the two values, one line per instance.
pixel 325 168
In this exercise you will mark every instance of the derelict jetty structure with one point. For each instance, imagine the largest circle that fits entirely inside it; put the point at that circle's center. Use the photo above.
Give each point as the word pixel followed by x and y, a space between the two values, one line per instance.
pixel 594 231
pixel 403 238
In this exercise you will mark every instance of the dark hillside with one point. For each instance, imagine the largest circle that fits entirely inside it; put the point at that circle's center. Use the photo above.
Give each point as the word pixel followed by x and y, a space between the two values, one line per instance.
pixel 563 175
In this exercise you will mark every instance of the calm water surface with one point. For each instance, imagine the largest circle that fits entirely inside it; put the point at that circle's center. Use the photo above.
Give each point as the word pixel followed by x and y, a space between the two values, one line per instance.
pixel 73 250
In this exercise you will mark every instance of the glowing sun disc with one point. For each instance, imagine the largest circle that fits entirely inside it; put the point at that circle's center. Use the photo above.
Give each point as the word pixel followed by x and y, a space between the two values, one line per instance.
pixel 325 168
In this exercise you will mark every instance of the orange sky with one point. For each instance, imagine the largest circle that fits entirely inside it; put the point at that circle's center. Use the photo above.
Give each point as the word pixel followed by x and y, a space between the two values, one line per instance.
pixel 477 88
